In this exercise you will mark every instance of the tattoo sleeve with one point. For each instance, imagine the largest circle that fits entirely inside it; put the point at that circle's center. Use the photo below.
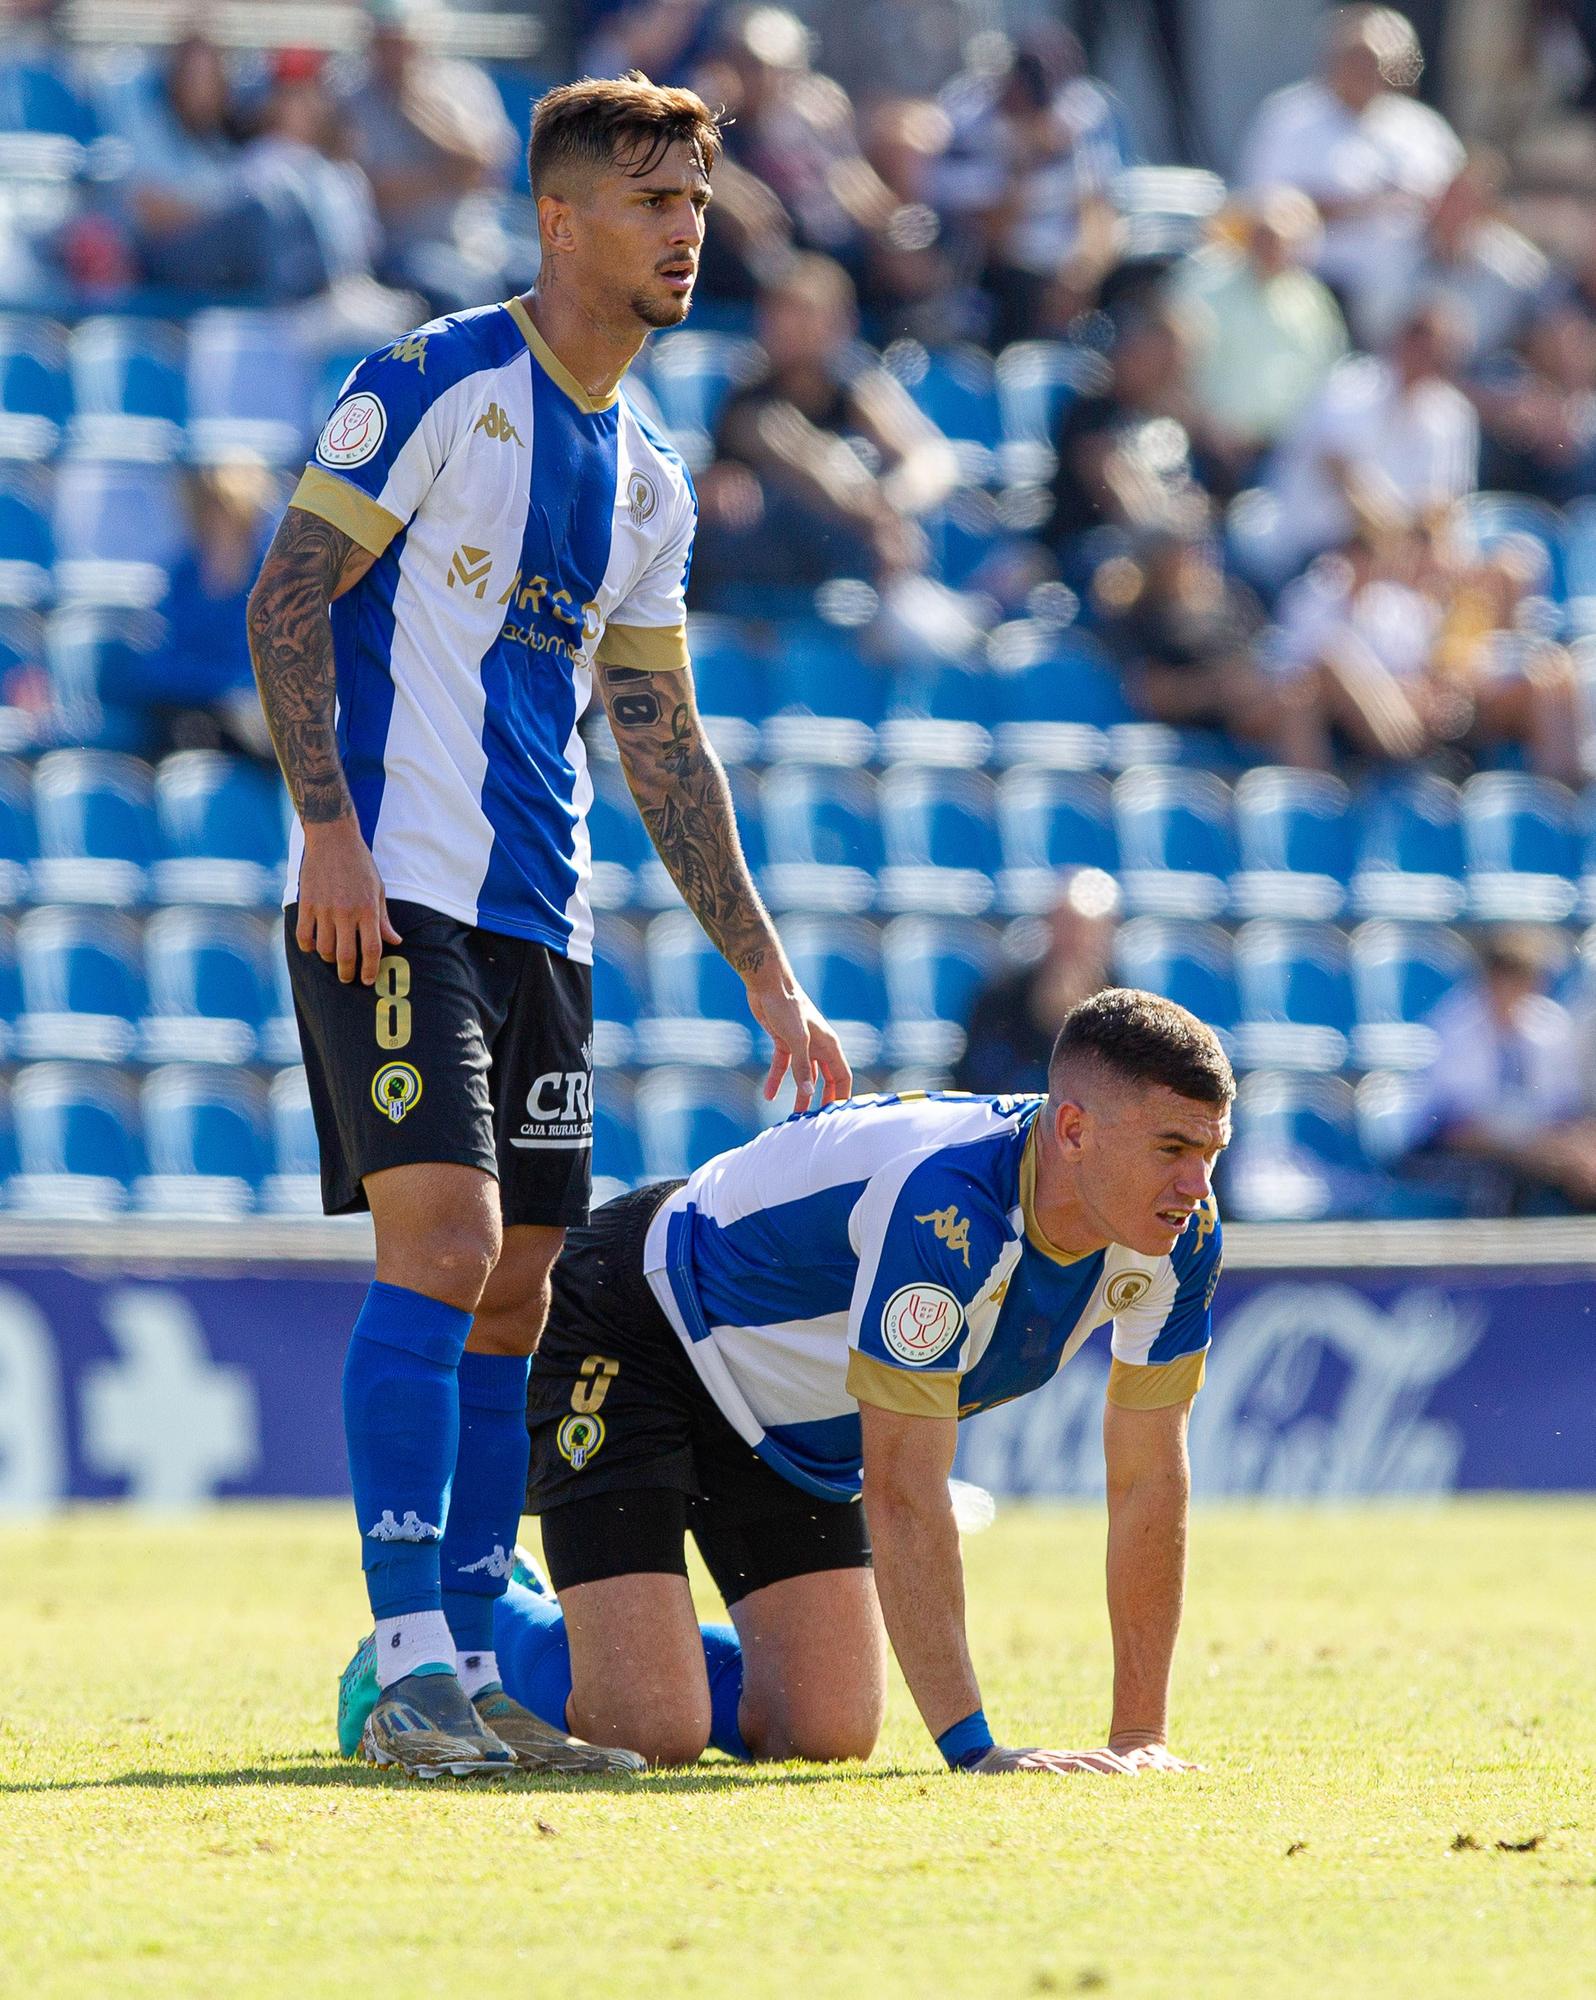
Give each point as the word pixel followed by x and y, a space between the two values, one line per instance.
pixel 682 794
pixel 291 647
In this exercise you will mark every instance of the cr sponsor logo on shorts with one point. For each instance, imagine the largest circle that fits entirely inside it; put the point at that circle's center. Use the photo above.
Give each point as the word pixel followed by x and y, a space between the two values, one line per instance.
pixel 559 1112
pixel 921 1322
pixel 353 432
pixel 396 1090
pixel 578 1438
pixel 1126 1290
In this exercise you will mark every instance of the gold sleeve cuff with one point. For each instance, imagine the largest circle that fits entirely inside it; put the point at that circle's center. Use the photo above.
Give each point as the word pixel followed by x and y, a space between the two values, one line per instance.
pixel 346 508
pixel 652 649
pixel 909 1395
pixel 1158 1385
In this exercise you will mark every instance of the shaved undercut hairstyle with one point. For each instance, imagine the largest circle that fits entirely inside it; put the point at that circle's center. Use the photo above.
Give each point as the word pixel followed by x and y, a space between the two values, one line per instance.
pixel 1141 1038
pixel 590 126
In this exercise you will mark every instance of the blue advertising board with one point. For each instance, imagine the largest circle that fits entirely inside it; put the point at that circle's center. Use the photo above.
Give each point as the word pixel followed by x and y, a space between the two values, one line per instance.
pixel 185 1375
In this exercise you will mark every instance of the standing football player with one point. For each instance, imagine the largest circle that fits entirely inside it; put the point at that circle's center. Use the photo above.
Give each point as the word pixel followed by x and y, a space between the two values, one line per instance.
pixel 486 528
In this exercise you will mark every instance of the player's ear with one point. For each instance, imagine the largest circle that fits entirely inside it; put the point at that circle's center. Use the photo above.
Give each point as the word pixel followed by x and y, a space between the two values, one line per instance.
pixel 1069 1122
pixel 556 222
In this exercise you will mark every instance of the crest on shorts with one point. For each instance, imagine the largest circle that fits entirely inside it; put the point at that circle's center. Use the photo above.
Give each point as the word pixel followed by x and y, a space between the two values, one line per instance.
pixel 578 1438
pixel 642 498
pixel 396 1090
pixel 1127 1290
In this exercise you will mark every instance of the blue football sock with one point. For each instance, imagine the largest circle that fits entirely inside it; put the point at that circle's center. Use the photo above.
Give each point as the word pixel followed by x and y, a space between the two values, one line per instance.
pixel 488 1494
pixel 723 1656
pixel 402 1424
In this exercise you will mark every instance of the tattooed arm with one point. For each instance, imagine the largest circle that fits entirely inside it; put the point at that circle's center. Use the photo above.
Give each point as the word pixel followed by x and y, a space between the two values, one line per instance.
pixel 343 915
pixel 682 794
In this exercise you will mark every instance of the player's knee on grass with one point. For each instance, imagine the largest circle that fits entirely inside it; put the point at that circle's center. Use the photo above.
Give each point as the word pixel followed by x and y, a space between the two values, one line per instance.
pixel 667 1734
pixel 820 1729
pixel 637 1666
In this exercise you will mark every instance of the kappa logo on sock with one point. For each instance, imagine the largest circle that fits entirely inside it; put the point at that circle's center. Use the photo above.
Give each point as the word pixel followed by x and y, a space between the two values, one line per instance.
pixel 578 1439
pixel 411 1529
pixel 495 1563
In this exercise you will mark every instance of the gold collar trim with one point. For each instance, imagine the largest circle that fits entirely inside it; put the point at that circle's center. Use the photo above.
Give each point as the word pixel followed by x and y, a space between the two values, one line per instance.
pixel 1034 1233
pixel 554 367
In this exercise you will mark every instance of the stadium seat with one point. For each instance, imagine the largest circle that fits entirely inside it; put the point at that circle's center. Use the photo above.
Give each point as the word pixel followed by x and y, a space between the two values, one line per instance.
pixel 838 963
pixel 27 539
pixel 1296 1155
pixel 621 846
pixel 1579 555
pixel 1490 519
pixel 209 975
pixel 119 527
pixel 1294 842
pixel 698 1007
pixel 279 1033
pixel 933 967
pixel 1296 996
pixel 938 715
pixel 10 986
pixel 22 722
pixel 617 1155
pixel 691 375
pixel 1036 379
pixel 129 389
pixel 1400 972
pixel 618 987
pixel 103 661
pixel 35 393
pixel 95 814
pixel 77 1140
pixel 18 839
pixel 1522 840
pixel 825 700
pixel 687 1116
pixel 1410 850
pixel 222 825
pixel 1050 820
pixel 249 388
pixel 1056 698
pixel 730 684
pixel 939 833
pixel 954 386
pixel 1192 963
pixel 206 1139
pixel 293 1187
pixel 82 979
pixel 1176 851
pixel 822 838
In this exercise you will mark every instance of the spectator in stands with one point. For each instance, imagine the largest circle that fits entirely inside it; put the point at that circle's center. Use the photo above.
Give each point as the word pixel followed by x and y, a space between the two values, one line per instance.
pixel 665 39
pixel 430 132
pixel 42 86
pixel 1503 1097
pixel 908 279
pixel 1264 331
pixel 1014 1019
pixel 1025 183
pixel 789 500
pixel 887 49
pixel 322 223
pixel 1388 444
pixel 1370 156
pixel 1537 406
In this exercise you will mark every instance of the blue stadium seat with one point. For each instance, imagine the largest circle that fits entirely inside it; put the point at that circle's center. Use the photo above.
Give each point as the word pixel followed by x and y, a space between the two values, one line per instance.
pixel 825 699
pixel 1056 698
pixel 41 93
pixel 209 974
pixel 618 987
pixel 1410 850
pixel 1036 379
pixel 119 527
pixel 1051 820
pixel 222 827
pixel 279 1033
pixel 1192 963
pixel 293 1187
pixel 35 394
pixel 1296 996
pixel 77 1138
pixel 617 1155
pixel 1175 845
pixel 1294 840
pixel 938 715
pixel 691 375
pixel 939 831
pixel 687 1116
pixel 21 671
pixel 933 967
pixel 955 387
pixel 838 962
pixel 1579 552
pixel 10 986
pixel 8 1147
pixel 95 813
pixel 207 1141
pixel 129 388
pixel 82 977
pixel 1400 972
pixel 1491 519
pixel 822 837
pixel 621 846
pixel 19 844
pixel 730 682
pixel 249 387
pixel 102 660
pixel 698 1007
pixel 1296 1155
pixel 27 538
pixel 1522 840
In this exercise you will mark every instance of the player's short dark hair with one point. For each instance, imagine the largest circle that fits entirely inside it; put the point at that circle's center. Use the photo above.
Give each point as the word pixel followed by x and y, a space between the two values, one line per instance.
pixel 1143 1038
pixel 617 121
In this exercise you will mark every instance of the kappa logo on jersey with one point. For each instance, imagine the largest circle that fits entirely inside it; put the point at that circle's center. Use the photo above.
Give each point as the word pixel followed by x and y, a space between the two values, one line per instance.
pixel 353 432
pixel 578 1438
pixel 470 566
pixel 494 421
pixel 559 1111
pixel 412 348
pixel 642 498
pixel 1126 1290
pixel 396 1090
pixel 921 1322
pixel 952 1229
pixel 1207 1222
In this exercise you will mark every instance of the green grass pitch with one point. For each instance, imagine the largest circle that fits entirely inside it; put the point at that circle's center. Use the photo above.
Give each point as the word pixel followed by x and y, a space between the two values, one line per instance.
pixel 1394 1705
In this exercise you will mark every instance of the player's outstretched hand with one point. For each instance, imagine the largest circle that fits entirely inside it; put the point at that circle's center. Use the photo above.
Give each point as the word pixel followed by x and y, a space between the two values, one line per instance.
pixel 998 1762
pixel 1155 1757
pixel 343 912
pixel 804 1039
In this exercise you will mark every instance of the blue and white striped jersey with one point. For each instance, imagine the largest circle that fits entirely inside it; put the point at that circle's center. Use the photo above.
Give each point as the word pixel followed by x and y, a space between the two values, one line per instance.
pixel 886 1251
pixel 522 529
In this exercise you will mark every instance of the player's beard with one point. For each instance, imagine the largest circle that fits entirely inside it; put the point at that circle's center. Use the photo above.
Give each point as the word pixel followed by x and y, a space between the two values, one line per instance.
pixel 657 310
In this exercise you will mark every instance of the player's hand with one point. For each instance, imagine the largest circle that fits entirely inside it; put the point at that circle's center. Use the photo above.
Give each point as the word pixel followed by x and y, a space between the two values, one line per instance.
pixel 999 1762
pixel 1156 1757
pixel 343 912
pixel 804 1039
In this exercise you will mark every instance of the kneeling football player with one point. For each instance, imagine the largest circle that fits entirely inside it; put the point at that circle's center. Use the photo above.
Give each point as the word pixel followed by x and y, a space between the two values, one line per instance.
pixel 803 1323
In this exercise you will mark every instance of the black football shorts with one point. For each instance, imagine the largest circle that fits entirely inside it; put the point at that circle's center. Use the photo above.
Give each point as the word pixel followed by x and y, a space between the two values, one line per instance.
pixel 473 1047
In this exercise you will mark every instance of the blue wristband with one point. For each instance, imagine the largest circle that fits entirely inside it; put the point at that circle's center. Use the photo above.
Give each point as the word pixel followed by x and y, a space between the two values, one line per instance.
pixel 967 1742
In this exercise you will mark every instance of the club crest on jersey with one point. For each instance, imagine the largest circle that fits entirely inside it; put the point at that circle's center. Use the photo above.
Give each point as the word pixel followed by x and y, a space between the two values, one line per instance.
pixel 578 1438
pixel 353 432
pixel 919 1323
pixel 396 1090
pixel 952 1229
pixel 642 498
pixel 1128 1289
